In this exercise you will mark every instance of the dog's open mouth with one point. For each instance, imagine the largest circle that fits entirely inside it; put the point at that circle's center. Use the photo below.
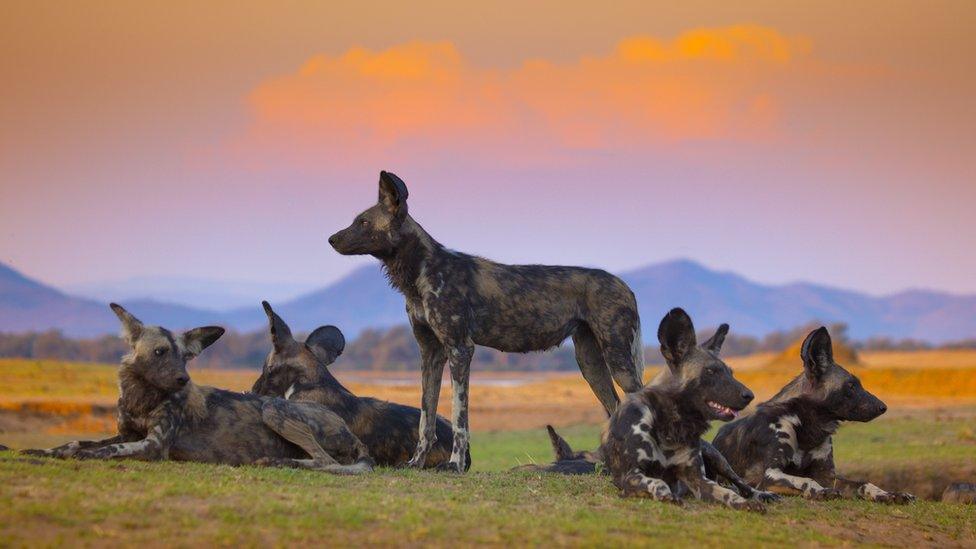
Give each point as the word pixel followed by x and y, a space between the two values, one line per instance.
pixel 722 412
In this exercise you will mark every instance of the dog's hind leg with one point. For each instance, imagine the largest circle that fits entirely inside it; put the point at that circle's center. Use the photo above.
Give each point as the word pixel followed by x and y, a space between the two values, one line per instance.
pixel 592 365
pixel 460 360
pixel 623 351
pixel 320 433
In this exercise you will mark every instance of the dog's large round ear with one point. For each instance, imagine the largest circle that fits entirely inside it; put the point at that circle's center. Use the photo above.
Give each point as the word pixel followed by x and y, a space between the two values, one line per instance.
pixel 131 326
pixel 817 353
pixel 198 339
pixel 676 334
pixel 714 343
pixel 393 193
pixel 326 343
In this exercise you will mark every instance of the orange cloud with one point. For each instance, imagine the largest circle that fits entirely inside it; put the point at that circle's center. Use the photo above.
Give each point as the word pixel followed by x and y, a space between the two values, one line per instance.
pixel 706 84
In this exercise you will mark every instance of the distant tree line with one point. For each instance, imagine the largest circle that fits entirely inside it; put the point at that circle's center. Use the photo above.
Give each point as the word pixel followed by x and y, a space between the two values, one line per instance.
pixel 394 349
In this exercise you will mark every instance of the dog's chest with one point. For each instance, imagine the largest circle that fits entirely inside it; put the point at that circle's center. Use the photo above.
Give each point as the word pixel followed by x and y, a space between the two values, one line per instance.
pixel 652 451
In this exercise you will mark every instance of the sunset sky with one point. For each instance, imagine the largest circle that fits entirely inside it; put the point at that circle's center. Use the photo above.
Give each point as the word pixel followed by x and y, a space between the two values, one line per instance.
pixel 833 142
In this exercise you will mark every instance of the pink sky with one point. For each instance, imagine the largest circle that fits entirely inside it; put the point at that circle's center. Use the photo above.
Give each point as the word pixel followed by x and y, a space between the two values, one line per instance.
pixel 828 143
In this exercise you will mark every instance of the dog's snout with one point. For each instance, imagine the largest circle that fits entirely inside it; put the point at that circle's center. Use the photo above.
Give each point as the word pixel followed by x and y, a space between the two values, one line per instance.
pixel 747 395
pixel 882 408
pixel 182 380
pixel 333 240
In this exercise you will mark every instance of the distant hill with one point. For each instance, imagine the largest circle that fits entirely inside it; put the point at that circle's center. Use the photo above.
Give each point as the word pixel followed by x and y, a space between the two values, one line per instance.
pixel 363 299
pixel 28 305
pixel 196 293
pixel 713 297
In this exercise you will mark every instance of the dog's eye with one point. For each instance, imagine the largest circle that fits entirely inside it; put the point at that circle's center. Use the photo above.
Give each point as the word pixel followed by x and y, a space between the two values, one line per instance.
pixel 364 222
pixel 160 351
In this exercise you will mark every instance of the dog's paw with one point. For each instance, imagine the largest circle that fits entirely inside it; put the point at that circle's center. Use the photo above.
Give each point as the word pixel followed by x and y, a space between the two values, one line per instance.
pixel 752 505
pixel 896 498
pixel 765 497
pixel 414 463
pixel 449 467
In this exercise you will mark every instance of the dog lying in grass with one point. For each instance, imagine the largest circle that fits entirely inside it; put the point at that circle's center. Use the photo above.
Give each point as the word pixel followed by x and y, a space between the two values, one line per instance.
pixel 652 446
pixel 571 462
pixel 163 415
pixel 786 444
pixel 299 372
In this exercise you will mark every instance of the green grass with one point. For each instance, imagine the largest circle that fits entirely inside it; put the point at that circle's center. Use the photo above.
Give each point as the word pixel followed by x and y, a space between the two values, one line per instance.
pixel 50 502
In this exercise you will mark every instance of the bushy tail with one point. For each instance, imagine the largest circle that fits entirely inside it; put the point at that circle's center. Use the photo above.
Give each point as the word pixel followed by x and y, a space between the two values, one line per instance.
pixel 560 447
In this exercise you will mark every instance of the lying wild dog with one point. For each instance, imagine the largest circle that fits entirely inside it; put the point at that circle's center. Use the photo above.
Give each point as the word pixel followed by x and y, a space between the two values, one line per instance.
pixel 299 372
pixel 653 447
pixel 456 301
pixel 163 415
pixel 786 444
pixel 571 462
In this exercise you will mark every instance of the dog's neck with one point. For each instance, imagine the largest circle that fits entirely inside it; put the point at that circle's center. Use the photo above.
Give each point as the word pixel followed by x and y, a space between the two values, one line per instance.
pixel 816 423
pixel 404 265
pixel 675 423
pixel 138 397
pixel 334 391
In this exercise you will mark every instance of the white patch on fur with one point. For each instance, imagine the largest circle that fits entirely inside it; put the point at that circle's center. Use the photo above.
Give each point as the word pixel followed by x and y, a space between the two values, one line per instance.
pixel 794 481
pixel 647 418
pixel 290 391
pixel 787 424
pixel 822 452
pixel 422 441
pixel 871 492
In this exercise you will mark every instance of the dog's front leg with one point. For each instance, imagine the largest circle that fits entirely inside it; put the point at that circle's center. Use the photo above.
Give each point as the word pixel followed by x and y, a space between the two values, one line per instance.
pixel 636 484
pixel 693 475
pixel 870 492
pixel 71 448
pixel 154 447
pixel 718 466
pixel 460 359
pixel 776 480
pixel 432 359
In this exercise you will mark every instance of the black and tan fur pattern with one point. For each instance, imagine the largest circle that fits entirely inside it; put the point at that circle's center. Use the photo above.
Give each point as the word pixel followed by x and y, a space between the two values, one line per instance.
pixel 571 462
pixel 300 372
pixel 456 301
pixel 787 443
pixel 163 415
pixel 652 447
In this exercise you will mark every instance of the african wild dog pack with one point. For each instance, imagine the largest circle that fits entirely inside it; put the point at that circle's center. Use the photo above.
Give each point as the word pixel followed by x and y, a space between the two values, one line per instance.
pixel 299 415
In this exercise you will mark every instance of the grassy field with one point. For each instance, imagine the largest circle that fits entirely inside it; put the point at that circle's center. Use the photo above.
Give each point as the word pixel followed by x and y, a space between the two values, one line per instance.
pixel 133 503
pixel 923 443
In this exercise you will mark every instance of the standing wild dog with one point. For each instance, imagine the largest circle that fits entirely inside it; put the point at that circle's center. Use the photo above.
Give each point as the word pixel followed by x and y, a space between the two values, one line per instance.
pixel 163 415
pixel 786 443
pixel 299 372
pixel 456 301
pixel 653 447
